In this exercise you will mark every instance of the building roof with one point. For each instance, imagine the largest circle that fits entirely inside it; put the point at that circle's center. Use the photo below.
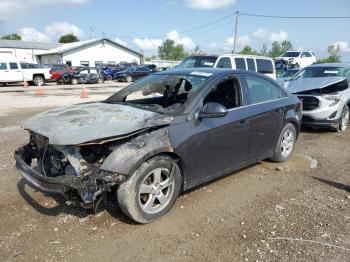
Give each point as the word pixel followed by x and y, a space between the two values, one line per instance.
pixel 27 45
pixel 71 46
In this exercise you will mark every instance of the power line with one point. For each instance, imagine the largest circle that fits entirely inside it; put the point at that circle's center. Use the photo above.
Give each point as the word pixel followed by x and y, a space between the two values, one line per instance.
pixel 161 36
pixel 296 17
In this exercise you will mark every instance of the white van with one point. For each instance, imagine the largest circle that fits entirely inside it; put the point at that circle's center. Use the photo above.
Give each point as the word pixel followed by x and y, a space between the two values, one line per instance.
pixel 261 64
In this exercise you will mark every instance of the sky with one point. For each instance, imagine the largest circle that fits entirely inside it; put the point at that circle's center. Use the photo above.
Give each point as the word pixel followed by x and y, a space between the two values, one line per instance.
pixel 144 25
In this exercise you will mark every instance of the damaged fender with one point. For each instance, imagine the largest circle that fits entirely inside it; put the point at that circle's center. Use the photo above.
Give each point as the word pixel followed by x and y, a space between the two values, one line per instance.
pixel 126 158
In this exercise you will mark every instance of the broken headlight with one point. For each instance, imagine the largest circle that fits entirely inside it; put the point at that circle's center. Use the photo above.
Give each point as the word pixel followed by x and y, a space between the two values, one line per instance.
pixel 334 99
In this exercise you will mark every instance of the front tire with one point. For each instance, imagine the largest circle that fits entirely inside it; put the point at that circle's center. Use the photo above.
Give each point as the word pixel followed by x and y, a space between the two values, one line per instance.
pixel 344 120
pixel 151 191
pixel 285 144
pixel 128 79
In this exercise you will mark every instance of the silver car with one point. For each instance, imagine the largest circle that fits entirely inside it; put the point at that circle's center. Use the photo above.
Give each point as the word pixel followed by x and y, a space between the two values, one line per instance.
pixel 325 93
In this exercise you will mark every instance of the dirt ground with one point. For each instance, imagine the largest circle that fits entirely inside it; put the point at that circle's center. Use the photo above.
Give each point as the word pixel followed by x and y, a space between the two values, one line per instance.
pixel 297 211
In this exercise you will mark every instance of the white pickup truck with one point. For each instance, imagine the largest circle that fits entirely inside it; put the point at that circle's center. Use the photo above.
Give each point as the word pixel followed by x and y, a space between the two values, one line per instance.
pixel 11 72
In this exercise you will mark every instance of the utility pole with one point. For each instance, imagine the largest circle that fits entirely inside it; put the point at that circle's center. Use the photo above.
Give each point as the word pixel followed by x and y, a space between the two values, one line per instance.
pixel 236 29
pixel 90 32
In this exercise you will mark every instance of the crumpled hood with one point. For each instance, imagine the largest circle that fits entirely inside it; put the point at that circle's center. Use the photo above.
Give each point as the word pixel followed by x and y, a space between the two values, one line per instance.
pixel 305 84
pixel 83 123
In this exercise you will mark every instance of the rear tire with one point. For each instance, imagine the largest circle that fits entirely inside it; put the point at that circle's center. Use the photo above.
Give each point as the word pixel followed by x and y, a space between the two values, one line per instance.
pixel 151 191
pixel 285 144
pixel 39 80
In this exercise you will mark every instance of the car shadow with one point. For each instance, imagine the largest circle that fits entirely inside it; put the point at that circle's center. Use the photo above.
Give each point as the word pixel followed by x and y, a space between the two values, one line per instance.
pixel 110 205
pixel 333 184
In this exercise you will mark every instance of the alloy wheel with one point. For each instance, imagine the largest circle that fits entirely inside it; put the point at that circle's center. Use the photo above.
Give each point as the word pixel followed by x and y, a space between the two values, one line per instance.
pixel 287 143
pixel 344 120
pixel 156 190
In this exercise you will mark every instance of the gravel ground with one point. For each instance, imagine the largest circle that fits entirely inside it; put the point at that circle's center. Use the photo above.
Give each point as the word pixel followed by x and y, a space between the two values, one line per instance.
pixel 297 211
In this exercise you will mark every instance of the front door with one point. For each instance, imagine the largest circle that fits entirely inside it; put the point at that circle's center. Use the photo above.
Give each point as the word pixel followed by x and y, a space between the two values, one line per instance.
pixel 219 145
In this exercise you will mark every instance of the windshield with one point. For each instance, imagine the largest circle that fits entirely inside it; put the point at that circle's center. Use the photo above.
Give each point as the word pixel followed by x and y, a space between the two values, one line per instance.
pixel 197 61
pixel 160 93
pixel 288 73
pixel 290 54
pixel 321 71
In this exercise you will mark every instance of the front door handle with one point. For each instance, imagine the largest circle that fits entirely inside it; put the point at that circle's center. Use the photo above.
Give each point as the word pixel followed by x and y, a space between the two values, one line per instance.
pixel 243 123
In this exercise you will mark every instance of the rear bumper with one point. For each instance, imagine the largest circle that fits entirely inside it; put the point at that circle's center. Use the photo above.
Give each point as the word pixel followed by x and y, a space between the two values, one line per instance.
pixel 85 189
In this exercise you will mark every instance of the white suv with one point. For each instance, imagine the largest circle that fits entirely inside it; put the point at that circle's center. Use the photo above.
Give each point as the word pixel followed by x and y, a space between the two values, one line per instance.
pixel 298 59
pixel 325 92
pixel 260 64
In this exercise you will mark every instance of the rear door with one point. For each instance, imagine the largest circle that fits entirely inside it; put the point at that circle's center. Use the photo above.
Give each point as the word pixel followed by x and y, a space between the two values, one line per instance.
pixel 266 112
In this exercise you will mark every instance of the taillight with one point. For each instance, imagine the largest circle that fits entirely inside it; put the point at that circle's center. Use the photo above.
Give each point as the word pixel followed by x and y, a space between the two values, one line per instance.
pixel 51 71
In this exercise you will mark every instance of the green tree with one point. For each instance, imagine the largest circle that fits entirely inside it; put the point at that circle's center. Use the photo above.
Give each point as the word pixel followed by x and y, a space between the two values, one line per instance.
pixel 286 46
pixel 276 49
pixel 264 51
pixel 68 38
pixel 169 51
pixel 13 36
pixel 334 57
pixel 247 50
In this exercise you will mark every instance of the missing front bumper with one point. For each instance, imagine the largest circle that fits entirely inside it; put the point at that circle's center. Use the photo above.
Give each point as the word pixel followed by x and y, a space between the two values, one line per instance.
pixel 84 188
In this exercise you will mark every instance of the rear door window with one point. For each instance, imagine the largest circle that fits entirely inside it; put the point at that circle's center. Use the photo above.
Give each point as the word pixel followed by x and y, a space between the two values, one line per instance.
pixel 251 64
pixel 3 66
pixel 13 66
pixel 224 62
pixel 261 90
pixel 240 63
pixel 264 66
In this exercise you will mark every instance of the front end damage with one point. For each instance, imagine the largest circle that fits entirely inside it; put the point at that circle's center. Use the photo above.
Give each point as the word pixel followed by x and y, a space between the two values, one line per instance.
pixel 72 171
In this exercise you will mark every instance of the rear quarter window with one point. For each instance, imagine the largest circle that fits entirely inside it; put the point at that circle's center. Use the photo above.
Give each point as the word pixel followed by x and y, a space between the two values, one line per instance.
pixel 264 66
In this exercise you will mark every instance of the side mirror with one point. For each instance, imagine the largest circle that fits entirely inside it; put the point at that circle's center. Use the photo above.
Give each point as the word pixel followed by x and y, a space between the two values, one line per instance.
pixel 213 110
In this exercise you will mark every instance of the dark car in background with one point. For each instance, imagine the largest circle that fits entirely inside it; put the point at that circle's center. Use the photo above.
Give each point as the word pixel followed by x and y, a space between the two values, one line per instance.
pixel 198 61
pixel 132 74
pixel 168 132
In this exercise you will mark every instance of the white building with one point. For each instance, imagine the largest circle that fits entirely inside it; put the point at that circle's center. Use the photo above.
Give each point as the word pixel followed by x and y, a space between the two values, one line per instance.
pixel 90 53
pixel 23 50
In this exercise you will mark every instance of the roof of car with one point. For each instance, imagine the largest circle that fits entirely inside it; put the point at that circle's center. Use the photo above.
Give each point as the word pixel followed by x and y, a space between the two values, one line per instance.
pixel 202 71
pixel 331 65
pixel 250 56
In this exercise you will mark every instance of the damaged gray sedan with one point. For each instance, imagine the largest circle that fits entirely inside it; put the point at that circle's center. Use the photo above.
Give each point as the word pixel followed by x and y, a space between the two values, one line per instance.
pixel 161 135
